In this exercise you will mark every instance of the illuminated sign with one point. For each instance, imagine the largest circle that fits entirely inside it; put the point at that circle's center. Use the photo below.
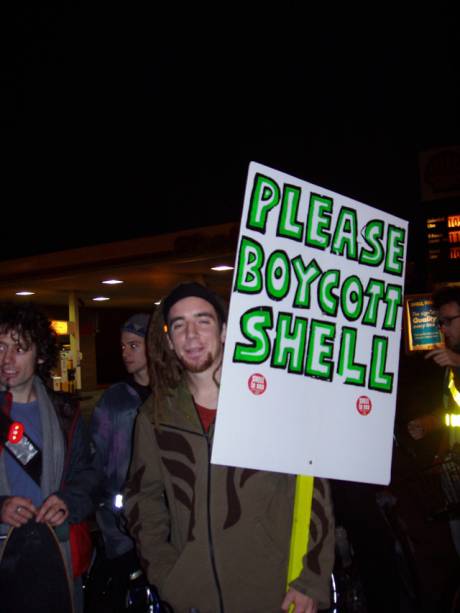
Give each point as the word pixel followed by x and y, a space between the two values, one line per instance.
pixel 60 327
pixel 453 226
pixel 422 333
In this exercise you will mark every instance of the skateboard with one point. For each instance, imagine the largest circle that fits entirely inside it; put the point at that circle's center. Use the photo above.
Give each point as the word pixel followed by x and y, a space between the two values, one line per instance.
pixel 33 576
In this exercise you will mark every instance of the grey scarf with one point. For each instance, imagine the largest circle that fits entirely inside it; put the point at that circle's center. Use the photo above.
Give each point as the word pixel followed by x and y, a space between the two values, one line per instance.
pixel 53 453
pixel 53 446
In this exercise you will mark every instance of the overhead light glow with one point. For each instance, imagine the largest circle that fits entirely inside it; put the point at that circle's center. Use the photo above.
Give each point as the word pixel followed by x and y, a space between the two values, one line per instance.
pixel 221 268
pixel 157 303
pixel 101 298
pixel 25 293
pixel 112 282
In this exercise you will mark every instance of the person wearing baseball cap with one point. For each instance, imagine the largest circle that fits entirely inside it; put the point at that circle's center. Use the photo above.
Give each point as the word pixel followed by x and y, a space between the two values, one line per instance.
pixel 111 426
pixel 212 538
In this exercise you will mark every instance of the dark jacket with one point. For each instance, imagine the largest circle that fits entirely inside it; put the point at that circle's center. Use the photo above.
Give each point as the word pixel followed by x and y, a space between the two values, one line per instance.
pixel 111 428
pixel 214 537
pixel 78 478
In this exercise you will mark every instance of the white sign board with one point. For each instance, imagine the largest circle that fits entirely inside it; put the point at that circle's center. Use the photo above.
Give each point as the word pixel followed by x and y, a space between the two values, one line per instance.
pixel 311 357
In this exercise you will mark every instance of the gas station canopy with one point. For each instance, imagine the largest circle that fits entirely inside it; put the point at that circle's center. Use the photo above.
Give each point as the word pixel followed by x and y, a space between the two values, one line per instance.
pixel 148 268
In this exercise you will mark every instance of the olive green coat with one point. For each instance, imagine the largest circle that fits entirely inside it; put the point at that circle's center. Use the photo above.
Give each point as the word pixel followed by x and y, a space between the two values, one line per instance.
pixel 215 537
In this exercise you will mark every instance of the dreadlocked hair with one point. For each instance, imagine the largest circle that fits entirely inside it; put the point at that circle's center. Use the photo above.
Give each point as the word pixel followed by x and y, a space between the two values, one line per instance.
pixel 166 371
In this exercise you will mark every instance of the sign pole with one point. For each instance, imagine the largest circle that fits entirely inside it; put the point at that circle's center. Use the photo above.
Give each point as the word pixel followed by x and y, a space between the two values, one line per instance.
pixel 300 525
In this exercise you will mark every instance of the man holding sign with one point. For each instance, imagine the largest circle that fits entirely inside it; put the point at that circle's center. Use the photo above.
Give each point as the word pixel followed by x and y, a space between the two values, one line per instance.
pixel 212 538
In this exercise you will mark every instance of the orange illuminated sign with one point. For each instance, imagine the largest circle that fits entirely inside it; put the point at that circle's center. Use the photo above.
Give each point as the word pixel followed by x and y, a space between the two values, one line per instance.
pixel 60 327
pixel 453 221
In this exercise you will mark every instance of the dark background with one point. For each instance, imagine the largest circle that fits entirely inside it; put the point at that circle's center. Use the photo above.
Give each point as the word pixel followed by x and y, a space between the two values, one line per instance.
pixel 123 121
pixel 120 121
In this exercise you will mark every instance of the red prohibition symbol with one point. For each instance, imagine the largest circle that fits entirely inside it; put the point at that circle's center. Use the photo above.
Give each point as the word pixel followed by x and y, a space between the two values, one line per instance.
pixel 257 384
pixel 364 405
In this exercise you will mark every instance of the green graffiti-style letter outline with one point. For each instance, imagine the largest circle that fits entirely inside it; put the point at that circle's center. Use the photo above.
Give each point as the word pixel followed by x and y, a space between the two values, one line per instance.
pixel 319 220
pixel 288 226
pixel 393 300
pixel 379 380
pixel 328 302
pixel 265 196
pixel 346 234
pixel 394 258
pixel 294 349
pixel 251 258
pixel 320 340
pixel 305 277
pixel 347 293
pixel 374 291
pixel 373 234
pixel 254 324
pixel 355 372
pixel 270 272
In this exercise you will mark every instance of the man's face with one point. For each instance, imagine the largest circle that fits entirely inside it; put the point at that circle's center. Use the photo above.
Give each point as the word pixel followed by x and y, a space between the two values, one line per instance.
pixel 451 327
pixel 17 362
pixel 133 353
pixel 195 334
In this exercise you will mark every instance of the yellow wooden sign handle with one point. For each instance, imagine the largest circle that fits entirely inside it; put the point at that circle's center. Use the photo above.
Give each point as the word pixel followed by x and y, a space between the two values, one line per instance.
pixel 300 525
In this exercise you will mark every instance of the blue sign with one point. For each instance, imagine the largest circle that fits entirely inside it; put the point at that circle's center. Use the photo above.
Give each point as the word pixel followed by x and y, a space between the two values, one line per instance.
pixel 422 329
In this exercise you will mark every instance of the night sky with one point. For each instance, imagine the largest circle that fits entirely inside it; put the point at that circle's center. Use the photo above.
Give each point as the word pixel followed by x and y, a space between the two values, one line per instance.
pixel 122 123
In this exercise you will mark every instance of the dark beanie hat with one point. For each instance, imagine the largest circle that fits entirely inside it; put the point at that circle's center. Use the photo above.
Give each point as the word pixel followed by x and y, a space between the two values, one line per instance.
pixel 137 324
pixel 185 290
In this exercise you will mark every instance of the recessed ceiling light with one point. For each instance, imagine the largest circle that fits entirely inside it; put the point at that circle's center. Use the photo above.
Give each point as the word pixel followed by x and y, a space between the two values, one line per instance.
pixel 25 293
pixel 100 298
pixel 112 282
pixel 221 268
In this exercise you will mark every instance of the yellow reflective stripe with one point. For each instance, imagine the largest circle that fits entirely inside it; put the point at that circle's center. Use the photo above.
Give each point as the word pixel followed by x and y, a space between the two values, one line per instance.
pixel 453 389
pixel 300 525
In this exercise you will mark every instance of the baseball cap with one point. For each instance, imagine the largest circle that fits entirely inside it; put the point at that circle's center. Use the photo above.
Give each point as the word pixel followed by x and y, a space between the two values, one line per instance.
pixel 185 290
pixel 137 324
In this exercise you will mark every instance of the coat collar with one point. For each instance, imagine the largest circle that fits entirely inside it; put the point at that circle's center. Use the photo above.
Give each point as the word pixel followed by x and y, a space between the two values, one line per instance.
pixel 178 410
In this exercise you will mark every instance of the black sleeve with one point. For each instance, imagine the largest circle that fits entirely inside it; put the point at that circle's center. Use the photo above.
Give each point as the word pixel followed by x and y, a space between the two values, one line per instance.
pixel 80 479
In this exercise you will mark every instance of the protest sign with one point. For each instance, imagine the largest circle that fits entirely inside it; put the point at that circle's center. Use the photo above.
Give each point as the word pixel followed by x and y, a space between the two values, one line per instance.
pixel 311 357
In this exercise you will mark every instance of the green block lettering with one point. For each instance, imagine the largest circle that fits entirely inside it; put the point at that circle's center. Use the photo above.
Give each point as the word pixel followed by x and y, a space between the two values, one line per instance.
pixel 319 221
pixel 305 275
pixel 327 301
pixel 393 300
pixel 374 291
pixel 320 349
pixel 251 258
pixel 265 196
pixel 289 347
pixel 351 298
pixel 254 325
pixel 378 378
pixel 394 260
pixel 373 234
pixel 278 275
pixel 346 234
pixel 288 225
pixel 354 373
